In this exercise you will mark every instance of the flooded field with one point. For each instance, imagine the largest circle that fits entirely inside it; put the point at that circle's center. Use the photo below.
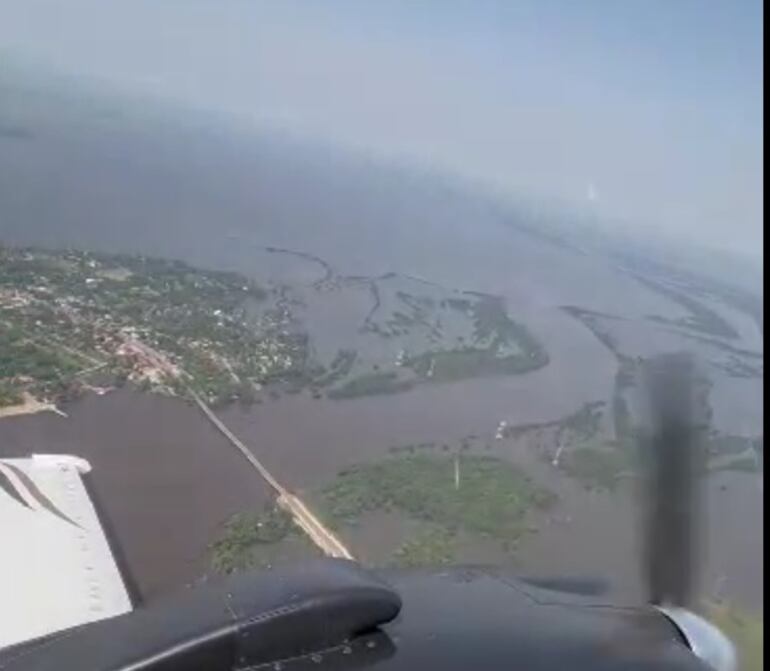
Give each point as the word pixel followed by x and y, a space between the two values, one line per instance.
pixel 167 481
pixel 598 533
pixel 588 533
pixel 308 440
pixel 282 215
pixel 738 406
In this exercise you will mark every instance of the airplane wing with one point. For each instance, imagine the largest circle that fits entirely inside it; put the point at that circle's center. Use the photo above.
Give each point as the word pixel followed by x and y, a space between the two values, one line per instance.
pixel 57 569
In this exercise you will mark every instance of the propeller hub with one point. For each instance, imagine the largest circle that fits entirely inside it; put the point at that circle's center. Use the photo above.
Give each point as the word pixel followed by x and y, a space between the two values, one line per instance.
pixel 704 639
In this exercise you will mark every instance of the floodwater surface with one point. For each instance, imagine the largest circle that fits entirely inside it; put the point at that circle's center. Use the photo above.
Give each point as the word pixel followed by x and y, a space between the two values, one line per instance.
pixel 170 186
pixel 163 476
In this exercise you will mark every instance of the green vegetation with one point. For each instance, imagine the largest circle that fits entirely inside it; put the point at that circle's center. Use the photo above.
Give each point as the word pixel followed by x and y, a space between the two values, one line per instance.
pixel 597 467
pixel 584 423
pixel 495 335
pixel 624 428
pixel 9 395
pixel 411 448
pixel 64 312
pixel 468 362
pixel 370 384
pixel 211 380
pixel 734 453
pixel 625 376
pixel 581 425
pixel 21 357
pixel 491 323
pixel 339 368
pixel 741 465
pixel 720 444
pixel 431 547
pixel 492 499
pixel 27 364
pixel 496 345
pixel 594 464
pixel 246 534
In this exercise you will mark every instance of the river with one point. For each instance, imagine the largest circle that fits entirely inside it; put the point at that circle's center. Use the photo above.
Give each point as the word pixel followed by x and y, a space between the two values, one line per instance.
pixel 167 480
pixel 188 188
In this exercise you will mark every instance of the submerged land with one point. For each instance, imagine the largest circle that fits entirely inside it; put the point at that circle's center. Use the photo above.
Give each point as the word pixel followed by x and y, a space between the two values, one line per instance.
pixel 76 322
pixel 72 317
pixel 441 377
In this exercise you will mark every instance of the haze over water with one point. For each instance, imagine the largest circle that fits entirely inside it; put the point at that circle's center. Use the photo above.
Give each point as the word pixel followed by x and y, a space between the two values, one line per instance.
pixel 104 172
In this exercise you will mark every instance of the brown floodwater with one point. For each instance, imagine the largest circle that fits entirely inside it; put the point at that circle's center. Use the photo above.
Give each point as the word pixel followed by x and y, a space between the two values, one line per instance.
pixel 167 479
pixel 163 476
pixel 305 442
pixel 599 533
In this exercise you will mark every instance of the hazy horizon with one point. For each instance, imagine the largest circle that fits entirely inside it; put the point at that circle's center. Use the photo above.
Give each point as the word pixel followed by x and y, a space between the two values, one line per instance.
pixel 648 115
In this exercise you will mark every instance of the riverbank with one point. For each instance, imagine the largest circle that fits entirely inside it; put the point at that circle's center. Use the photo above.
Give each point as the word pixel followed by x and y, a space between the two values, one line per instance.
pixel 29 406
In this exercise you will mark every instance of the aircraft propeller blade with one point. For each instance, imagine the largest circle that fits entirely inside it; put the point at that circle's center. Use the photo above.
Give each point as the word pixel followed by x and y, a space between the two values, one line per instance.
pixel 670 451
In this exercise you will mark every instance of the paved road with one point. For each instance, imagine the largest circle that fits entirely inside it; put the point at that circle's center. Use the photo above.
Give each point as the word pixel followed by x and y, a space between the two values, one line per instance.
pixel 329 544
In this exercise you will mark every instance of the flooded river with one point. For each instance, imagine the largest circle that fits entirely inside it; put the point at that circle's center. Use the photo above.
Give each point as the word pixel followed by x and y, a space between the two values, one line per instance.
pixel 306 441
pixel 168 479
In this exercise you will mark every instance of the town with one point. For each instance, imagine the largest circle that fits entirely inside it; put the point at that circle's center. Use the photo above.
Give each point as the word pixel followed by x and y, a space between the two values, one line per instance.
pixel 73 321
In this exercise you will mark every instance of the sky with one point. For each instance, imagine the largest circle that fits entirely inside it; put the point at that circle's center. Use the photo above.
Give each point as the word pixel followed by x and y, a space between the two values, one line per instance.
pixel 645 112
